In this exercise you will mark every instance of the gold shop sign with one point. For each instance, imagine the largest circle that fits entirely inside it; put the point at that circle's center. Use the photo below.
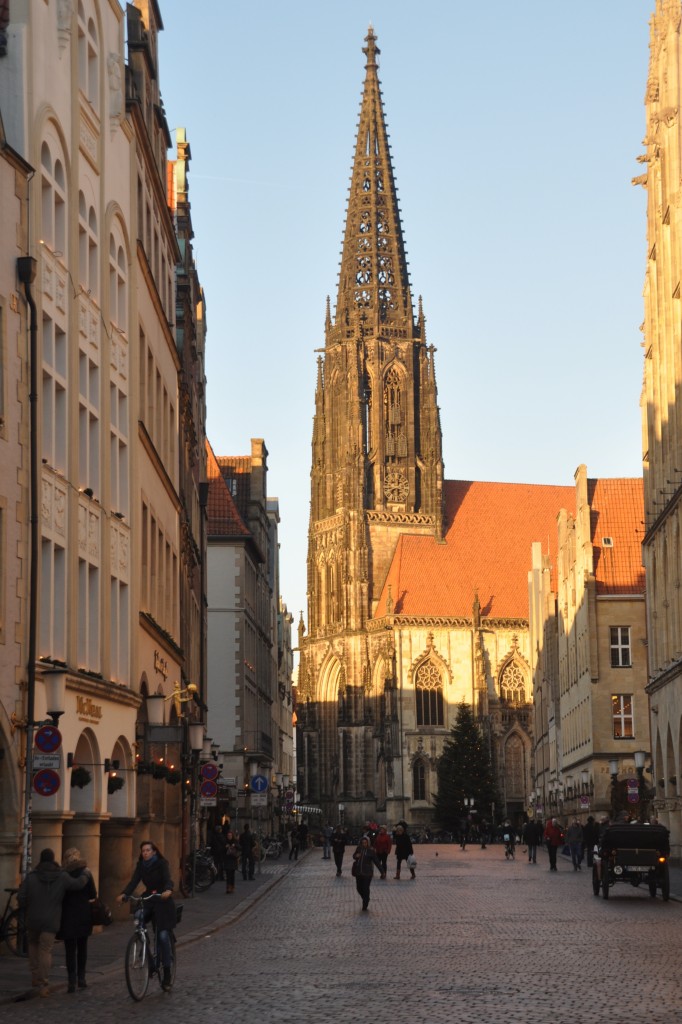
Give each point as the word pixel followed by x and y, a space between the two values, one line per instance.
pixel 87 710
pixel 160 665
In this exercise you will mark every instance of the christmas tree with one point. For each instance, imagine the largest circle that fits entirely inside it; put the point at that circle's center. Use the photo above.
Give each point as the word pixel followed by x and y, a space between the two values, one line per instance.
pixel 465 771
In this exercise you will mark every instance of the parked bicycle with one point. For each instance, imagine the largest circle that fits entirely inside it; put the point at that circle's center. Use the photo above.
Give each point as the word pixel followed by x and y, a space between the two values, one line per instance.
pixel 12 928
pixel 269 847
pixel 143 957
pixel 200 870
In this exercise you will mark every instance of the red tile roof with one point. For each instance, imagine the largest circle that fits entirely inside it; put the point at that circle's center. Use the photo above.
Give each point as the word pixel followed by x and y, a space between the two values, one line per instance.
pixel 487 548
pixel 223 519
pixel 617 514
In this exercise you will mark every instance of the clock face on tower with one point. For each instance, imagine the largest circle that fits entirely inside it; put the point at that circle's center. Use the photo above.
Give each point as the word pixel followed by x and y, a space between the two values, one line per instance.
pixel 395 484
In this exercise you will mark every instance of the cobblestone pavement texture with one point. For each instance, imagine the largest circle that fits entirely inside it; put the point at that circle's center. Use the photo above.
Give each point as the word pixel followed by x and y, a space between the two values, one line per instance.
pixel 473 939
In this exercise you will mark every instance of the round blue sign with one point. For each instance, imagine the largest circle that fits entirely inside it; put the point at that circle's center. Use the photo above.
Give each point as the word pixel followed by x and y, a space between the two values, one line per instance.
pixel 46 782
pixel 48 739
pixel 259 784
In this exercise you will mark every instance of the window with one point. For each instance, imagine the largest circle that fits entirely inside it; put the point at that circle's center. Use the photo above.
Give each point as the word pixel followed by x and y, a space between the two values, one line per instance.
pixel 620 647
pixel 429 694
pixel 512 688
pixel 418 781
pixel 621 711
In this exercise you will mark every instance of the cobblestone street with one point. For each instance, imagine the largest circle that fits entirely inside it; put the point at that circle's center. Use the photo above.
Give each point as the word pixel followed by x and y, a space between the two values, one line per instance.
pixel 474 939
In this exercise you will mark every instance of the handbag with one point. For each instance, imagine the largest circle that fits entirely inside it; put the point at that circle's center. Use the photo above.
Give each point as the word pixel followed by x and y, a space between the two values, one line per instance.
pixel 355 870
pixel 411 861
pixel 100 913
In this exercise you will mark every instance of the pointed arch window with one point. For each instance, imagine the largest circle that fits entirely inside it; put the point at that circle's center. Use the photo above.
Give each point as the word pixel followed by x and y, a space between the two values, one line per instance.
pixel 419 781
pixel 429 694
pixel 513 684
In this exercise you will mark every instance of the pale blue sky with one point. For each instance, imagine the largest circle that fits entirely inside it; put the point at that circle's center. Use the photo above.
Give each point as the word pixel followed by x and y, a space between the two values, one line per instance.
pixel 515 129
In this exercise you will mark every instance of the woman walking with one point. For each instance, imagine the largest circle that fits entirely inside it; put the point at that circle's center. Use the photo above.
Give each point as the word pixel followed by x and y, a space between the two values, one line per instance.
pixel 76 925
pixel 231 859
pixel 364 860
pixel 403 850
pixel 382 847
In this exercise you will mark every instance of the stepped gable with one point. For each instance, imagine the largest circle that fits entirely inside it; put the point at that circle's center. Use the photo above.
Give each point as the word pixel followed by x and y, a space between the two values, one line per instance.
pixel 487 549
pixel 617 515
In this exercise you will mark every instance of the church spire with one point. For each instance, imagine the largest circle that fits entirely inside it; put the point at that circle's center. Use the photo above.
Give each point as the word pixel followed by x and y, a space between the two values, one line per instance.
pixel 374 286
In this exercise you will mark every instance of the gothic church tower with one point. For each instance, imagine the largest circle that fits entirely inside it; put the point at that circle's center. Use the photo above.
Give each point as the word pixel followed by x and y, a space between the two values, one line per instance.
pixel 377 472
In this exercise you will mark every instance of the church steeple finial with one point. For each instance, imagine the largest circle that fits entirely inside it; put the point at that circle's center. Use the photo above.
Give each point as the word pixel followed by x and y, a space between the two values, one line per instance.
pixel 373 282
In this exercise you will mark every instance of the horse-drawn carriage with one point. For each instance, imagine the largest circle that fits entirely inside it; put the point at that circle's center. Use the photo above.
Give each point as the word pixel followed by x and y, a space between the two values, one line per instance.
pixel 633 853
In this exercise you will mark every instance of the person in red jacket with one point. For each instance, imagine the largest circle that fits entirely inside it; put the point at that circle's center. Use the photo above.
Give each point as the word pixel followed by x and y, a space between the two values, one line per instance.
pixel 554 838
pixel 382 848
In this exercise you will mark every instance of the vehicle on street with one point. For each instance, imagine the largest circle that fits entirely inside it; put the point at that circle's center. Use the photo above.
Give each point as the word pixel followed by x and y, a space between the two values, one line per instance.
pixel 633 853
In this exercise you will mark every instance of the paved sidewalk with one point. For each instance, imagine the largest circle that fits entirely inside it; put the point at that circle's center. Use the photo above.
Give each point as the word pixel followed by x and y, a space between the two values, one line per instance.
pixel 206 913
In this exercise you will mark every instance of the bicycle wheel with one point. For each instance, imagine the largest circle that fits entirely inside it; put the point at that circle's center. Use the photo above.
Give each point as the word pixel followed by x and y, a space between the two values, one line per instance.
pixel 15 934
pixel 203 876
pixel 137 967
pixel 276 850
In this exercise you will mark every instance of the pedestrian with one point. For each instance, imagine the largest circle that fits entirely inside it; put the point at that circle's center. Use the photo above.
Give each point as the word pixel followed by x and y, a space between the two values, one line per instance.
pixel 231 859
pixel 217 844
pixel 303 836
pixel 246 845
pixel 382 848
pixel 590 839
pixel 403 850
pixel 532 836
pixel 364 861
pixel 338 848
pixel 153 872
pixel 554 837
pixel 463 833
pixel 574 838
pixel 294 839
pixel 40 895
pixel 76 924
pixel 327 833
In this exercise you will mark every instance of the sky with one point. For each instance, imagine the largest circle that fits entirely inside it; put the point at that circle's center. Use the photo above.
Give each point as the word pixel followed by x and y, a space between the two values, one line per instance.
pixel 515 129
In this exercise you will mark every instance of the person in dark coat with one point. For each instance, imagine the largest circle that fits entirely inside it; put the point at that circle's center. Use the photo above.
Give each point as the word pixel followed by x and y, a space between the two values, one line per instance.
pixel 366 859
pixel 41 894
pixel 590 839
pixel 76 926
pixel 246 845
pixel 403 850
pixel 231 859
pixel 293 841
pixel 532 836
pixel 217 844
pixel 554 838
pixel 152 871
pixel 338 848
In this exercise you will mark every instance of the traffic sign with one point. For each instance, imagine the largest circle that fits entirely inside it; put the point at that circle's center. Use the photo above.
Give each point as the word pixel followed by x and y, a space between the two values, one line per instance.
pixel 208 788
pixel 48 739
pixel 46 782
pixel 259 800
pixel 209 771
pixel 45 761
pixel 259 784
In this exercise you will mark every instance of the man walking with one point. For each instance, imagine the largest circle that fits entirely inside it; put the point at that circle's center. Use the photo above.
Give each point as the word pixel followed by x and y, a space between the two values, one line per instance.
pixel 554 837
pixel 246 845
pixel 41 894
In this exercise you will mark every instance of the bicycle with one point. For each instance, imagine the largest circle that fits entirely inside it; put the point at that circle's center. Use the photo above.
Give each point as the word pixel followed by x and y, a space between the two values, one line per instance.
pixel 12 928
pixel 269 848
pixel 200 875
pixel 142 959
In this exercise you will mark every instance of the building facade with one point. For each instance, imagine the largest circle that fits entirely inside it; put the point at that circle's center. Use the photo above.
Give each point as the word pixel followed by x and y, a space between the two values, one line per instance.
pixel 249 639
pixel 588 655
pixel 86 113
pixel 661 426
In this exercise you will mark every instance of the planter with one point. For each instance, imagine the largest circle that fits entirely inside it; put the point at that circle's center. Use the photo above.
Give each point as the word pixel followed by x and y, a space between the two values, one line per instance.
pixel 80 777
pixel 114 783
pixel 160 771
pixel 174 777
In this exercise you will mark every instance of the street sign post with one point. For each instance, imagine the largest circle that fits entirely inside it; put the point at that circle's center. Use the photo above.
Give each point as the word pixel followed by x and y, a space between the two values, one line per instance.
pixel 46 782
pixel 48 739
pixel 259 784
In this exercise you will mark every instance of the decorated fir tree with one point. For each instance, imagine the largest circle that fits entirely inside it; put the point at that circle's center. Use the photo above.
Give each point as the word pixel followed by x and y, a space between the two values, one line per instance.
pixel 465 770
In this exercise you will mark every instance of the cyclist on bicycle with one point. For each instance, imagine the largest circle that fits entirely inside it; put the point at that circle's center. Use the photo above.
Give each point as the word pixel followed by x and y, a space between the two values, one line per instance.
pixel 152 871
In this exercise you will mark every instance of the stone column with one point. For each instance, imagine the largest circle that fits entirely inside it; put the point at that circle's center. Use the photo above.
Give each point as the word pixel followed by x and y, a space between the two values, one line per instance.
pixel 46 831
pixel 84 832
pixel 117 860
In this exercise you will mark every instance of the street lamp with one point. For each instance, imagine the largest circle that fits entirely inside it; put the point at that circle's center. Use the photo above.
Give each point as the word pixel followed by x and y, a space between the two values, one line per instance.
pixel 613 772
